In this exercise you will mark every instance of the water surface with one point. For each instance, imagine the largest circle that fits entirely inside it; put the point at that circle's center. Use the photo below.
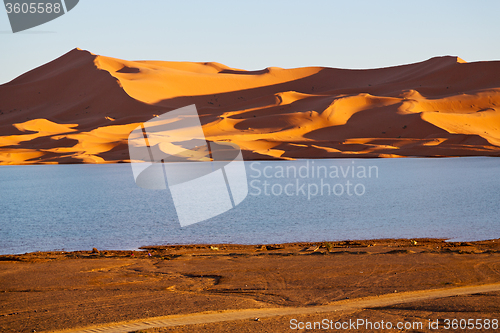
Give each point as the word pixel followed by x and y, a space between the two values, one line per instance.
pixel 77 207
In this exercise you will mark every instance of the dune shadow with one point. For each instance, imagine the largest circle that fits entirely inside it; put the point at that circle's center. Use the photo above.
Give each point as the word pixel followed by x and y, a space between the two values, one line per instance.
pixel 128 70
pixel 232 71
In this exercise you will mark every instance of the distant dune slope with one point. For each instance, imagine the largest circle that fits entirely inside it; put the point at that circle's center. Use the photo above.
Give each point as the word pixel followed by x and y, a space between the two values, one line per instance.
pixel 81 107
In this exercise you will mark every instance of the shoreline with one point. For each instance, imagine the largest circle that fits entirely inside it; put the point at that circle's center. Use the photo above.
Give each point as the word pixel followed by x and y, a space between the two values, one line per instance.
pixel 51 291
pixel 322 246
pixel 271 159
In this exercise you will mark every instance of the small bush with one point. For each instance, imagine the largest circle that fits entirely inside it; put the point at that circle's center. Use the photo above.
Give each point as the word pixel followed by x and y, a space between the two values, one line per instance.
pixel 328 246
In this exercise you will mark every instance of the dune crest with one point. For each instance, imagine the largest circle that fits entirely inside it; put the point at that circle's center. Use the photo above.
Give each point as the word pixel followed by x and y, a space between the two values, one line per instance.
pixel 81 107
pixel 154 82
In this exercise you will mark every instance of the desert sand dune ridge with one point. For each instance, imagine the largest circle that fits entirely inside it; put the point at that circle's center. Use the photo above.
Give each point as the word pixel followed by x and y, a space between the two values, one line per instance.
pixel 81 107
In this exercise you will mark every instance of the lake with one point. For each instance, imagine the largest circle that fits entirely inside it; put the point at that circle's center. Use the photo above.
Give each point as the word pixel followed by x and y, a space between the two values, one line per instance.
pixel 78 207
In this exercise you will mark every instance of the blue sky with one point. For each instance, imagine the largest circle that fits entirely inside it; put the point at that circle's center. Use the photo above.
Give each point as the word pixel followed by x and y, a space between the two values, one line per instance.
pixel 257 34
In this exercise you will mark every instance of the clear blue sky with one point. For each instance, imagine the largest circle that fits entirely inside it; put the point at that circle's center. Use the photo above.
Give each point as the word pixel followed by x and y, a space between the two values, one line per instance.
pixel 257 34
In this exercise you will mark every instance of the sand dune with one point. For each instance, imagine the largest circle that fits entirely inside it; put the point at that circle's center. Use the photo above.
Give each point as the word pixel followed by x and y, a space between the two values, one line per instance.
pixel 81 107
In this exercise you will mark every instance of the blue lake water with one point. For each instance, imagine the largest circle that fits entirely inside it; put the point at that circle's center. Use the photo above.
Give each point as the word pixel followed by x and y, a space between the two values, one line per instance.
pixel 77 207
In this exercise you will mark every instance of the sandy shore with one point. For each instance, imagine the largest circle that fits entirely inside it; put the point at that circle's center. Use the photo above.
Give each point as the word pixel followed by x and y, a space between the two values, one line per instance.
pixel 67 290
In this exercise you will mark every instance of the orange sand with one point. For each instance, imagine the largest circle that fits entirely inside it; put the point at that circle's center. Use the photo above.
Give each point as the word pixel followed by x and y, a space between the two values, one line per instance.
pixel 81 107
